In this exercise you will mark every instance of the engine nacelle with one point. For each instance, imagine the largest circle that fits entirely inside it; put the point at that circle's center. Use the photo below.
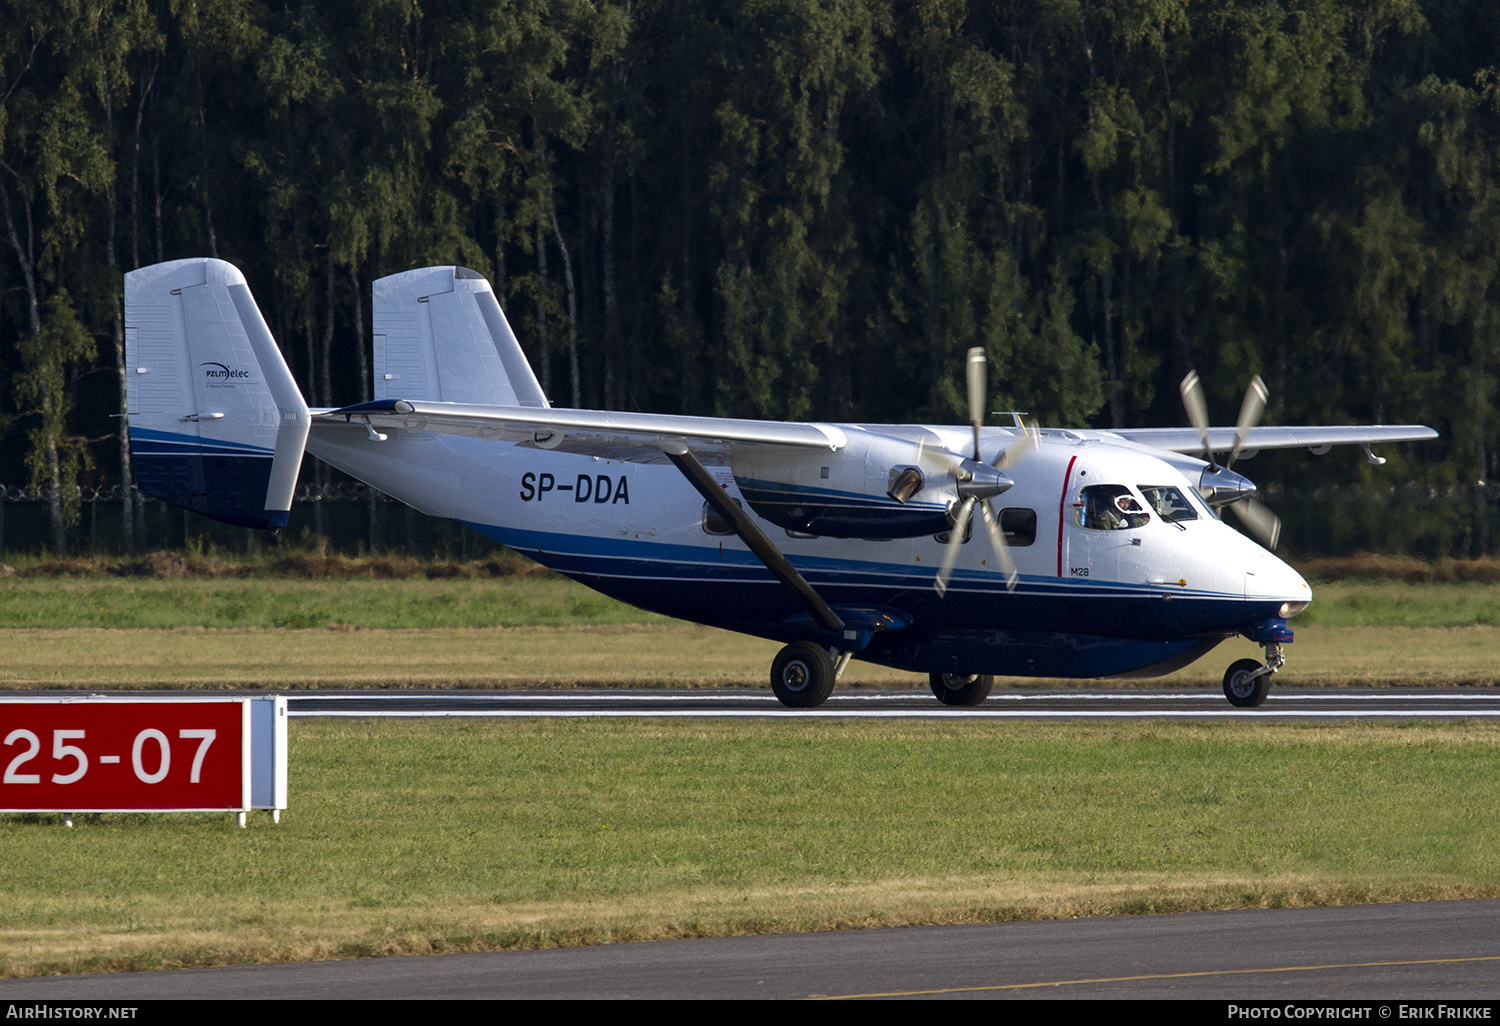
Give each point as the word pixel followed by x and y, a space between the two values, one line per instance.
pixel 856 492
pixel 1220 486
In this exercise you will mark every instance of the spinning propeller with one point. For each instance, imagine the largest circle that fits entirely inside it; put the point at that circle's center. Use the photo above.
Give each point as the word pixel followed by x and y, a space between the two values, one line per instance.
pixel 977 482
pixel 1219 485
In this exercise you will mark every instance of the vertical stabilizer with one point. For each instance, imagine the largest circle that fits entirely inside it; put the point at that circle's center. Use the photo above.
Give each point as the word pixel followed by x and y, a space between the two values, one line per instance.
pixel 440 334
pixel 217 425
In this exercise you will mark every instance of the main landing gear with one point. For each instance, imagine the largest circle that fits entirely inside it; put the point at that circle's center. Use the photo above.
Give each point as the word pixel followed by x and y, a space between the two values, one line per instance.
pixel 803 674
pixel 1247 682
pixel 960 688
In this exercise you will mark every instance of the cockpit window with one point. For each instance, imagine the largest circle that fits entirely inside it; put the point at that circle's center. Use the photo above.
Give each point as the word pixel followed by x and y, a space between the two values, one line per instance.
pixel 1110 508
pixel 1204 509
pixel 1170 504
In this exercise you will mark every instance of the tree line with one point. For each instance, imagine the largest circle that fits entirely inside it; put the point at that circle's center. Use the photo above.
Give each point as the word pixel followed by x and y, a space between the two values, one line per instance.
pixel 783 208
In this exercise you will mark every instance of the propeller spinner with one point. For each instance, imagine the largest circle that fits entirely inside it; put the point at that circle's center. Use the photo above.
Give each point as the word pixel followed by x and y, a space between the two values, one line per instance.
pixel 1220 485
pixel 977 481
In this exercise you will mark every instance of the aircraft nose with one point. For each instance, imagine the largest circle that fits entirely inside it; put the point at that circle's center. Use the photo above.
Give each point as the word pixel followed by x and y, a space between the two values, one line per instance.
pixel 1273 579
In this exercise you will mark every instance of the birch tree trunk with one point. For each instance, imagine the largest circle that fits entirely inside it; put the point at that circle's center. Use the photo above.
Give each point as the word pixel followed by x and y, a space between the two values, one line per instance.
pixel 572 308
pixel 43 386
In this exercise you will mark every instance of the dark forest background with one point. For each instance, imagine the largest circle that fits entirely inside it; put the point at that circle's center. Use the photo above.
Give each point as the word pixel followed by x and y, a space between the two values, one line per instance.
pixel 788 209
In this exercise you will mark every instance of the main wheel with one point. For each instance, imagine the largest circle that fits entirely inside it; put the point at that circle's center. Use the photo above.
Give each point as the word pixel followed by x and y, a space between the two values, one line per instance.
pixel 1240 689
pixel 960 688
pixel 802 675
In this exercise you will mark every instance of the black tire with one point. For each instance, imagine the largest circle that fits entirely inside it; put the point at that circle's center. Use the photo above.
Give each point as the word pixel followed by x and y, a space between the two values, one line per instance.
pixel 1242 692
pixel 960 688
pixel 802 675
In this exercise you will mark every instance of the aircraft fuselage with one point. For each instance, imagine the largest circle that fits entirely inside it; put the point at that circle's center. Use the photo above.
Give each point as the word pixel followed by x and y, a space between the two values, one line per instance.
pixel 1101 591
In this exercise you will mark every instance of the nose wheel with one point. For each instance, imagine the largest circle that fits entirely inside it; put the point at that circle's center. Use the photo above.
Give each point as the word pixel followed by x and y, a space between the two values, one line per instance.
pixel 1247 682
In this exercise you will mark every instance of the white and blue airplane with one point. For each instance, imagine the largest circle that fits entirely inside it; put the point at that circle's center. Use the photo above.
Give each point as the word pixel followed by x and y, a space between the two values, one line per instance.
pixel 1102 556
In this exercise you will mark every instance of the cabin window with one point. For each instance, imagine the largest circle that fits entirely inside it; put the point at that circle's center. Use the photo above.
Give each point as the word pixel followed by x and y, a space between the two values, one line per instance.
pixel 714 522
pixel 1170 504
pixel 1019 526
pixel 1110 508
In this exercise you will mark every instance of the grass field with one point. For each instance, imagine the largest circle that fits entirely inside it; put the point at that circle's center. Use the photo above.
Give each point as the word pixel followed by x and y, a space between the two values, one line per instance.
pixel 133 603
pixel 430 836
pixel 635 655
pixel 61 632
pixel 419 602
pixel 444 836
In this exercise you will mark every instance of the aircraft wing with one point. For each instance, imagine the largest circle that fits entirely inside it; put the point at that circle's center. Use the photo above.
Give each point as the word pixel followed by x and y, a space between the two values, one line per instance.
pixel 674 436
pixel 543 425
pixel 1186 440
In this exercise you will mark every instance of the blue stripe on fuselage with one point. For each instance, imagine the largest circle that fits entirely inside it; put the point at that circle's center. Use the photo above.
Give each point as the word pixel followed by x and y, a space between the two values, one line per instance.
pixel 732 589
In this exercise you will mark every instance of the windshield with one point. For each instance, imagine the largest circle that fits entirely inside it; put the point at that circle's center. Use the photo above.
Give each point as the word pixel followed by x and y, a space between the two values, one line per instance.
pixel 1170 504
pixel 1196 498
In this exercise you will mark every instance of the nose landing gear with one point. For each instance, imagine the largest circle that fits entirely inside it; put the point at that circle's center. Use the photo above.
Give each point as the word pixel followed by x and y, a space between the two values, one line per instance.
pixel 1246 683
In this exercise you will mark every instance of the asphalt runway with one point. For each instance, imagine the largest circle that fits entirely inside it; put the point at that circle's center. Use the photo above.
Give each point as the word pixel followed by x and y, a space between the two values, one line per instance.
pixel 1378 953
pixel 1134 703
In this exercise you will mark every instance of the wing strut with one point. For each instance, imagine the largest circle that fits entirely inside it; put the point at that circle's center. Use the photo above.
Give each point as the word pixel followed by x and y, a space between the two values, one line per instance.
pixel 752 535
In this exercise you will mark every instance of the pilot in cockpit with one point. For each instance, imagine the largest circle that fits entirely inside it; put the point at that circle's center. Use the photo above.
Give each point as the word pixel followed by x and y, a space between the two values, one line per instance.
pixel 1111 508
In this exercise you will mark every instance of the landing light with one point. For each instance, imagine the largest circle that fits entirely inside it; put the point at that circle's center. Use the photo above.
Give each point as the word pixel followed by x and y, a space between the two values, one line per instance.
pixel 1291 609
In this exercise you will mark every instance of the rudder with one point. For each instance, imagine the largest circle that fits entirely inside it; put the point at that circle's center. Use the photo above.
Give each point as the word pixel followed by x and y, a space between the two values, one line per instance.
pixel 216 422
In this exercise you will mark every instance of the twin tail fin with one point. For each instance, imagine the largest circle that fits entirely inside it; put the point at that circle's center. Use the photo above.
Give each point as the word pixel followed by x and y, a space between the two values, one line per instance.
pixel 216 422
pixel 440 335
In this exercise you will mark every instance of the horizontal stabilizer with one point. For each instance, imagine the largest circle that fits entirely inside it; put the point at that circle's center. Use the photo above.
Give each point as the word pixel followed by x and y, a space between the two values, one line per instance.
pixel 217 425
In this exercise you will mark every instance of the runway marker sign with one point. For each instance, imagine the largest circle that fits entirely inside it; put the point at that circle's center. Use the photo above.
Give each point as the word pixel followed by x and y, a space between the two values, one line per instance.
pixel 107 754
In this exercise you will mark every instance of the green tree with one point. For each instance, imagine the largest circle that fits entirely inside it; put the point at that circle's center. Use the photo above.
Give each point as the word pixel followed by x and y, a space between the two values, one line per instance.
pixel 781 200
pixel 58 61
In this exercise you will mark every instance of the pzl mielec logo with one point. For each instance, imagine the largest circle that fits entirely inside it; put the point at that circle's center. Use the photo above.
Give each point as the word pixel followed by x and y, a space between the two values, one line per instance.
pixel 219 373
